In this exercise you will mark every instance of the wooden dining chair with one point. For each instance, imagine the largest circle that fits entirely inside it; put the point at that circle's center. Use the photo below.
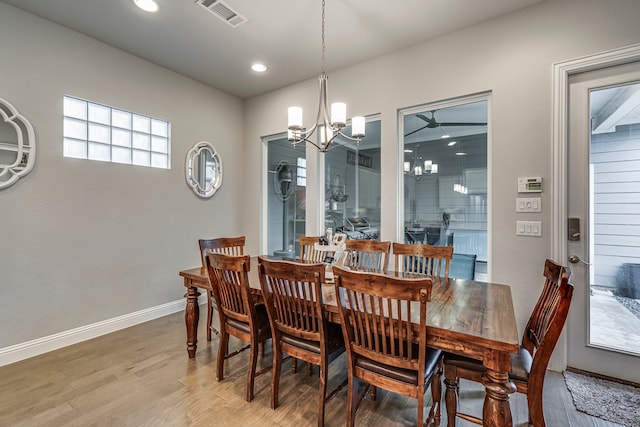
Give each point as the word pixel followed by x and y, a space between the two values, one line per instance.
pixel 383 321
pixel 529 366
pixel 308 252
pixel 293 296
pixel 222 245
pixel 240 316
pixel 433 261
pixel 367 255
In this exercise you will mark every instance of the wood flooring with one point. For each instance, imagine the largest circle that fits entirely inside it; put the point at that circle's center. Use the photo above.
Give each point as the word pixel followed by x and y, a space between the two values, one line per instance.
pixel 141 376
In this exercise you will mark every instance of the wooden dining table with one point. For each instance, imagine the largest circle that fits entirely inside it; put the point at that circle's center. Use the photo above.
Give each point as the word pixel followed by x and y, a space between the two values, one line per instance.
pixel 465 317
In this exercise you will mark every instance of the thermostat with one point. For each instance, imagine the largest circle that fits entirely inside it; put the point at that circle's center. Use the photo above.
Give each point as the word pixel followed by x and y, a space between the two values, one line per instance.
pixel 530 184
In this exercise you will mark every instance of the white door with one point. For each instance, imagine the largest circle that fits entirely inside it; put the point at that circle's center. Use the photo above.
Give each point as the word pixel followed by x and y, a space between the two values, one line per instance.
pixel 603 241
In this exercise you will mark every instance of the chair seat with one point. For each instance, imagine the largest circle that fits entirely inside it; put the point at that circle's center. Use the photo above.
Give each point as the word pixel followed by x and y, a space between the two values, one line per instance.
pixel 334 341
pixel 408 376
pixel 520 364
pixel 262 322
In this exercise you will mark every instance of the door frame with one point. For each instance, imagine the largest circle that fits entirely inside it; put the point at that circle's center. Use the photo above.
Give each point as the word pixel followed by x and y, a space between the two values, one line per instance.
pixel 559 128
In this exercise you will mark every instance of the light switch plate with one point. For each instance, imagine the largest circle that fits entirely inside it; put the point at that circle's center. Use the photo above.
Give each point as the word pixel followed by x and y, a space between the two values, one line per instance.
pixel 529 228
pixel 529 204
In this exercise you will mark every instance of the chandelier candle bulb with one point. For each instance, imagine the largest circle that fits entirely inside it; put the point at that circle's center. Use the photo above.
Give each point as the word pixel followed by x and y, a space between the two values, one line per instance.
pixel 434 168
pixel 295 118
pixel 338 114
pixel 357 127
pixel 407 167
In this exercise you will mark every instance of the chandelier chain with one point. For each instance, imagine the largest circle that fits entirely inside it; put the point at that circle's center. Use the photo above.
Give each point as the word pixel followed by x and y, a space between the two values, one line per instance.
pixel 323 43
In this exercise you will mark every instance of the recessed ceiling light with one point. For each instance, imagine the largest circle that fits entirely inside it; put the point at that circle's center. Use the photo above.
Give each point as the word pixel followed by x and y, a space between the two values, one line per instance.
pixel 259 68
pixel 461 153
pixel 446 135
pixel 452 143
pixel 147 5
pixel 408 151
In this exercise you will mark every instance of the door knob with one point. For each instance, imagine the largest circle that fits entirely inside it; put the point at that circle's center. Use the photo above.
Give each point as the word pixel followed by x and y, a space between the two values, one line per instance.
pixel 574 259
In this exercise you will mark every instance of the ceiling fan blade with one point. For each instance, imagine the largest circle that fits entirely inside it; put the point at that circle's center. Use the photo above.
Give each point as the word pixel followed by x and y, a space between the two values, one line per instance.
pixel 461 124
pixel 425 118
pixel 417 130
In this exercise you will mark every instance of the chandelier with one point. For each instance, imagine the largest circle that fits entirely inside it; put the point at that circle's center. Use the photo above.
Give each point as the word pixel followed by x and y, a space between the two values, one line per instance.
pixel 419 168
pixel 329 127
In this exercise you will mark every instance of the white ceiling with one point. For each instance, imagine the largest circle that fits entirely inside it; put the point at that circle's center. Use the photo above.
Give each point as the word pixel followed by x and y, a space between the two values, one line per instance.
pixel 284 34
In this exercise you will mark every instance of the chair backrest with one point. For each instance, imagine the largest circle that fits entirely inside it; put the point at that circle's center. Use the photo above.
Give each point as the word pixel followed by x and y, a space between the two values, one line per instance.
pixel 433 261
pixel 228 277
pixel 463 266
pixel 223 245
pixel 548 318
pixel 378 313
pixel 367 255
pixel 308 252
pixel 293 297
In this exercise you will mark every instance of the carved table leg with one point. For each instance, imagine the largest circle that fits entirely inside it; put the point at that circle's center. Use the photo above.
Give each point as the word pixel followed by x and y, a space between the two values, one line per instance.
pixel 191 317
pixel 497 411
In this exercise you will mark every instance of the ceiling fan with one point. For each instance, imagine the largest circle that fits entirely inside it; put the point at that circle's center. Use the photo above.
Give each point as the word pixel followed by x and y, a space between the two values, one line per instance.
pixel 433 123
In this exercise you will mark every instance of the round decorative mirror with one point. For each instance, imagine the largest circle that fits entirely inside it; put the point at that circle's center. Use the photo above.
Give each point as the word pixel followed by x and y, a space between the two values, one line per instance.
pixel 17 145
pixel 203 169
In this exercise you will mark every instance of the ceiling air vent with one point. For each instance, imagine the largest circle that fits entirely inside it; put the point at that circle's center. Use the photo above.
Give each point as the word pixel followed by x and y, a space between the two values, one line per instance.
pixel 223 11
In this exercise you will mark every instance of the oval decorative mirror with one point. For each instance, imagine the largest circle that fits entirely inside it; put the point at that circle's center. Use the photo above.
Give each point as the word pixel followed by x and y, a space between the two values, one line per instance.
pixel 17 145
pixel 203 169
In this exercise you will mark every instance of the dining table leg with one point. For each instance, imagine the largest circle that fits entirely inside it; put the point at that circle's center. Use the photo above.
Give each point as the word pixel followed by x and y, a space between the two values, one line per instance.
pixel 496 411
pixel 191 318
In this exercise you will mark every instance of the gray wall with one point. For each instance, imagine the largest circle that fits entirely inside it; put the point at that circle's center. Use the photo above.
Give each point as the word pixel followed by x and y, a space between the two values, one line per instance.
pixel 86 241
pixel 512 57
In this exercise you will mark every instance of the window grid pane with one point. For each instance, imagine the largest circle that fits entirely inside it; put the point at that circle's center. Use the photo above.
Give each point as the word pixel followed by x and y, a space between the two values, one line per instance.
pixel 99 152
pixel 120 155
pixel 99 132
pixel 99 114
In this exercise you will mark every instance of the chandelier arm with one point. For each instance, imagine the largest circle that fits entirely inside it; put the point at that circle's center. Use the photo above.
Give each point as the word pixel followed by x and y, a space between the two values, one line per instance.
pixel 350 138
pixel 323 103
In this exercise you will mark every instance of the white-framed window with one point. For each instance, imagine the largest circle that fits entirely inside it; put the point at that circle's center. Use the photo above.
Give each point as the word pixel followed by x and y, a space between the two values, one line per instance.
pixel 94 131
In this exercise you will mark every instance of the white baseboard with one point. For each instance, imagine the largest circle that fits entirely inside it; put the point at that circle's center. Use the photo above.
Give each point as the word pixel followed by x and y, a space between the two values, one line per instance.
pixel 42 345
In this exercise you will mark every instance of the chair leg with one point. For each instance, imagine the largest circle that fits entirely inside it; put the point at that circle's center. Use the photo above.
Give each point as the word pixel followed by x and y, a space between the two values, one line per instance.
pixel 352 398
pixel 209 315
pixel 420 418
pixel 251 375
pixel 223 350
pixel 323 390
pixel 294 365
pixel 451 394
pixel 275 375
pixel 436 394
pixel 373 393
pixel 536 412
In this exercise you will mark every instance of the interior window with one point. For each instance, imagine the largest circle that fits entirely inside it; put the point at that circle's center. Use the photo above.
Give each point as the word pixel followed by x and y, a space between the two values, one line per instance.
pixel 286 196
pixel 352 185
pixel 445 177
